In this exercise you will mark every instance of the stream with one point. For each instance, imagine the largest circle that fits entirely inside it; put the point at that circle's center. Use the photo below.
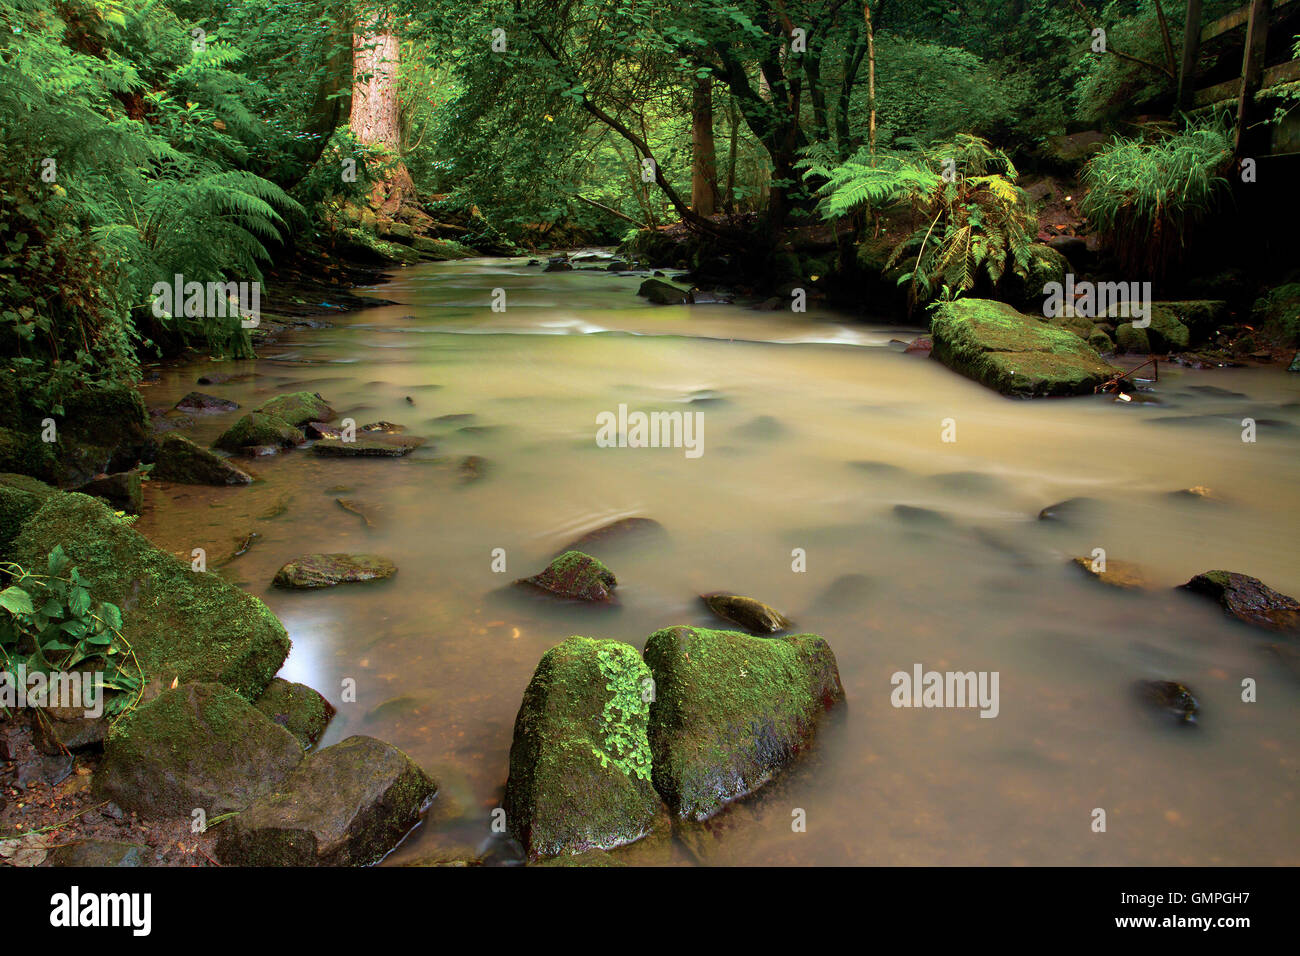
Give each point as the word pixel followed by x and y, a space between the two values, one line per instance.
pixel 819 434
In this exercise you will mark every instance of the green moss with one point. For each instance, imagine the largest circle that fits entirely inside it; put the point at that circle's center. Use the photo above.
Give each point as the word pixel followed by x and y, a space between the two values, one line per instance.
pixel 23 452
pixel 258 429
pixel 577 762
pixel 731 711
pixel 575 575
pixel 441 250
pixel 298 408
pixel 21 497
pixel 297 708
pixel 181 623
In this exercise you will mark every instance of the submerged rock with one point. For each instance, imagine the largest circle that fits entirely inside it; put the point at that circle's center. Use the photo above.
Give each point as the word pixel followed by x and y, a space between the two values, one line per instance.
pixel 327 570
pixel 575 575
pixel 297 708
pixel 1071 510
pixel 622 531
pixel 731 711
pixel 580 775
pixel 1248 599
pixel 754 616
pixel 1013 353
pixel 200 402
pixel 180 460
pixel 661 293
pixel 257 429
pixel 180 623
pixel 346 805
pixel 366 447
pixel 197 746
pixel 298 408
pixel 1170 696
pixel 1117 574
pixel 472 468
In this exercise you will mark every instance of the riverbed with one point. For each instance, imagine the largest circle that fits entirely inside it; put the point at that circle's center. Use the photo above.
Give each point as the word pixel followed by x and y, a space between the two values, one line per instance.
pixel 825 486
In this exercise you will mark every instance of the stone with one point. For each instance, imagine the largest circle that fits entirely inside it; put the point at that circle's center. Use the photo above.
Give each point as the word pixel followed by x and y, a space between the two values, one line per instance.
pixel 201 402
pixel 327 570
pixel 1117 574
pixel 297 708
pixel 661 293
pixel 182 461
pixel 345 805
pixel 577 576
pixel 123 491
pixel 1248 600
pixel 20 498
pixel 754 616
pixel 297 408
pixel 100 853
pixel 256 430
pixel 386 447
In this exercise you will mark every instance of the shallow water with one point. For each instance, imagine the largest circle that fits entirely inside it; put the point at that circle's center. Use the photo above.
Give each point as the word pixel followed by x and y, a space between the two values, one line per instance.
pixel 815 430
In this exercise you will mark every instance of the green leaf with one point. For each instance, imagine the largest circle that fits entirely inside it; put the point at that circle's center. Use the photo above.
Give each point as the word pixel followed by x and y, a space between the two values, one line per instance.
pixel 16 601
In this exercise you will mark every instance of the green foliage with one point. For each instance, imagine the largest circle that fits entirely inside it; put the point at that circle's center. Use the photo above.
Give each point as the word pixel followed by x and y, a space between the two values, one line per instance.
pixel 974 220
pixel 51 623
pixel 1148 197
pixel 624 717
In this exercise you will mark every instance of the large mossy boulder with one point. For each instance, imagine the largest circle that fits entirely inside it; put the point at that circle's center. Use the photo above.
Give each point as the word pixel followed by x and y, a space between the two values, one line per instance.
pixel 441 250
pixel 23 452
pixel 731 711
pixel 580 759
pixel 1015 354
pixel 299 709
pixel 180 623
pixel 182 461
pixel 258 429
pixel 21 497
pixel 661 293
pixel 111 417
pixel 298 408
pixel 199 746
pixel 346 805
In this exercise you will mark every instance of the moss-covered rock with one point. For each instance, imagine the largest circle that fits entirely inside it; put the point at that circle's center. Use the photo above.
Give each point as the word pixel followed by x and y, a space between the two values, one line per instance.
pixel 21 496
pixel 580 759
pixel 327 570
pixel 661 293
pixel 297 708
pixel 1132 340
pixel 180 460
pixel 577 576
pixel 731 711
pixel 124 490
pixel 754 616
pixel 22 452
pixel 441 250
pixel 258 429
pixel 181 623
pixel 197 746
pixel 298 408
pixel 1277 314
pixel 384 446
pixel 1248 599
pixel 1013 353
pixel 346 805
pixel 1118 574
pixel 111 417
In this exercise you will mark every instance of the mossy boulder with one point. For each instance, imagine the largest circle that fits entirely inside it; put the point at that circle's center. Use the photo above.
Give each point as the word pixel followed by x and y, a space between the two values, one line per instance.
pixel 580 774
pixel 298 408
pixel 327 570
pixel 1132 340
pixel 1277 314
pixel 124 490
pixel 182 461
pixel 1015 354
pixel 346 805
pixel 23 452
pixel 257 429
pixel 577 576
pixel 297 708
pixel 197 746
pixel 661 293
pixel 731 711
pixel 441 250
pixel 21 496
pixel 112 417
pixel 1248 599
pixel 181 623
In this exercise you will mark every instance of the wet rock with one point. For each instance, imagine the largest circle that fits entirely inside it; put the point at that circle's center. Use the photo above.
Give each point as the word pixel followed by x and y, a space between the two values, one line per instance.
pixel 200 402
pixel 1170 696
pixel 925 517
pixel 321 430
pixel 621 532
pixel 1118 574
pixel 387 428
pixel 924 344
pixel 353 507
pixel 577 576
pixel 346 805
pixel 848 592
pixel 1071 511
pixel 327 570
pixel 661 293
pixel 1248 599
pixel 616 265
pixel 702 297
pixel 123 491
pixel 258 429
pixel 180 460
pixel 580 774
pixel 754 616
pixel 366 447
pixel 297 708
pixel 197 746
pixel 1196 493
pixel 731 711
pixel 1013 353
pixel 100 853
pixel 297 408
pixel 761 428
pixel 558 265
pixel 50 770
pixel 59 730
pixel 180 624
pixel 472 468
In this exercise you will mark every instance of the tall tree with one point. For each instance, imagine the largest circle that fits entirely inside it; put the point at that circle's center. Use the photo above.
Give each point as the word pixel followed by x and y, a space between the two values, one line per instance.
pixel 704 171
pixel 376 119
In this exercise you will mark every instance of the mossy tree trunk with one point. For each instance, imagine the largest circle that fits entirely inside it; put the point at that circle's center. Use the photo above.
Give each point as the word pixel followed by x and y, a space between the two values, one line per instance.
pixel 376 118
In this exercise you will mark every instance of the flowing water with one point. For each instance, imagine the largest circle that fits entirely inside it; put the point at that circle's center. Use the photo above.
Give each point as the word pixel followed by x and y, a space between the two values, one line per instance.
pixel 818 434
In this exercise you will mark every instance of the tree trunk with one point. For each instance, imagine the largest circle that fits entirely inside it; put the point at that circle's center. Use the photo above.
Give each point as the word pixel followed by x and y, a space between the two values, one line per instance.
pixel 375 118
pixel 704 172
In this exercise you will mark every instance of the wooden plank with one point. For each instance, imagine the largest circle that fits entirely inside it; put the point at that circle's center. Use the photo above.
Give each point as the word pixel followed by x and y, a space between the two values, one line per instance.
pixel 1191 43
pixel 1230 89
pixel 1233 20
pixel 1252 64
